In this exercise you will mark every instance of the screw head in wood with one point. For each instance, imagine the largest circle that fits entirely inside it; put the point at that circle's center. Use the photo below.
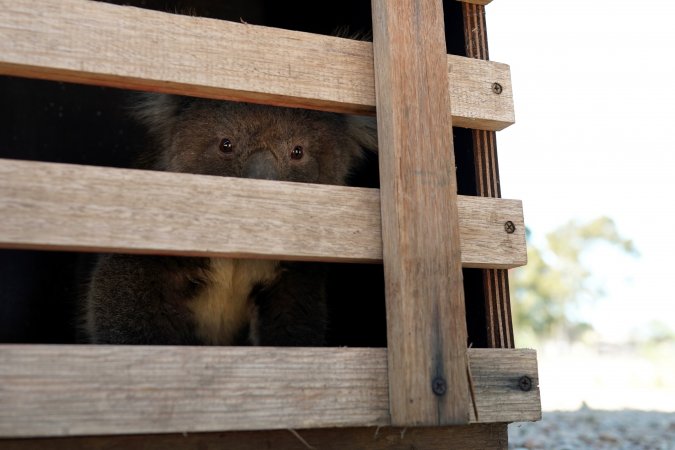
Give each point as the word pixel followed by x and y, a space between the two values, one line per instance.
pixel 525 383
pixel 497 88
pixel 439 386
pixel 510 227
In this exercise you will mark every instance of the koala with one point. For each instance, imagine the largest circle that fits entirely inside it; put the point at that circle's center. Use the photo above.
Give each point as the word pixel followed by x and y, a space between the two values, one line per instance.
pixel 140 299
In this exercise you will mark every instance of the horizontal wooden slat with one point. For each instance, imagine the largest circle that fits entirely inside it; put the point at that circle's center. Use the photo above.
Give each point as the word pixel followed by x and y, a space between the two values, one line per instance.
pixel 471 437
pixel 83 208
pixel 96 43
pixel 79 390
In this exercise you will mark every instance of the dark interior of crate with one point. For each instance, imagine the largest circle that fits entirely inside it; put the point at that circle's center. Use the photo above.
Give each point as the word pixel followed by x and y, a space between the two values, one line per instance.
pixel 60 122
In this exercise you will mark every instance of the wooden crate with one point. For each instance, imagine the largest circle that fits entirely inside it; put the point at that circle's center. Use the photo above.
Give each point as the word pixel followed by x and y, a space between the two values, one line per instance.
pixel 69 391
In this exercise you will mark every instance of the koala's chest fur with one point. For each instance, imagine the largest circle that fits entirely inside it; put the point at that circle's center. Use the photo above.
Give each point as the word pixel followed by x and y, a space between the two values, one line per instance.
pixel 223 307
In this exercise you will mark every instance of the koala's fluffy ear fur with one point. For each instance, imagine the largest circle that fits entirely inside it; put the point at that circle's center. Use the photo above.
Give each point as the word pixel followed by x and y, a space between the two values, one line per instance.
pixel 156 112
pixel 364 131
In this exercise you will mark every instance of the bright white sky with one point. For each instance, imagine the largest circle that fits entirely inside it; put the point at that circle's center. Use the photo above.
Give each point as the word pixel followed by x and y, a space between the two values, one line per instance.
pixel 594 88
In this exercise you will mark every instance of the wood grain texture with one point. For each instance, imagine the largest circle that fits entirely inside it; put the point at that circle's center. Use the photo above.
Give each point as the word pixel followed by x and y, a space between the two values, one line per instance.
pixel 96 43
pixel 471 437
pixel 61 390
pixel 54 206
pixel 499 370
pixel 498 308
pixel 426 327
pixel 495 281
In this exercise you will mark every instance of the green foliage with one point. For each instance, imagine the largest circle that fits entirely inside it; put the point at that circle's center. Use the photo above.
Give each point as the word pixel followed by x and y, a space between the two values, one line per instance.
pixel 555 280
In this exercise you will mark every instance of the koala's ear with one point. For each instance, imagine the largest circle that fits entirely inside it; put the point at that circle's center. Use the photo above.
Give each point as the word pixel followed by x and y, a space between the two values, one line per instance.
pixel 363 130
pixel 157 112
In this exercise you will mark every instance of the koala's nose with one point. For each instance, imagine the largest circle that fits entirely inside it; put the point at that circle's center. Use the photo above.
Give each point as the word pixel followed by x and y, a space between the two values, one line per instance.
pixel 261 165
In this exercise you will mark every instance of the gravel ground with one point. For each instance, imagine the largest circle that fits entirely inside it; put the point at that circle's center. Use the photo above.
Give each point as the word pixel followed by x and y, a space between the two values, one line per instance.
pixel 596 430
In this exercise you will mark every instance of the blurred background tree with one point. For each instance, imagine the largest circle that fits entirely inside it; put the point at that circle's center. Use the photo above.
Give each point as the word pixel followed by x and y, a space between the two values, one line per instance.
pixel 547 291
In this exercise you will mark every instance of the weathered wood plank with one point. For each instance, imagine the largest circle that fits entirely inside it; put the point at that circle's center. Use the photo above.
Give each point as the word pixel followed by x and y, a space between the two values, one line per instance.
pixel 60 206
pixel 426 326
pixel 500 370
pixel 472 437
pixel 61 390
pixel 96 43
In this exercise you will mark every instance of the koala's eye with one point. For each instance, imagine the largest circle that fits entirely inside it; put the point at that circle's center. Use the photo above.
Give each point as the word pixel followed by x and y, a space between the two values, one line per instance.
pixel 226 146
pixel 297 152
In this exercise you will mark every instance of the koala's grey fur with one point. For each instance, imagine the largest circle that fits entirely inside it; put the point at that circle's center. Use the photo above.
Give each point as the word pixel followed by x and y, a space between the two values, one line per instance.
pixel 175 300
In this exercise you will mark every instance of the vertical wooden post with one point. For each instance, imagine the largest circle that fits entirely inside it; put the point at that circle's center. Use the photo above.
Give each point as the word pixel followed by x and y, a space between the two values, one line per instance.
pixel 423 277
pixel 495 281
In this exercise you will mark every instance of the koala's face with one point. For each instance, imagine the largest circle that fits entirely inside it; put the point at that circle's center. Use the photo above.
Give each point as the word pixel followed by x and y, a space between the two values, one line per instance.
pixel 258 141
